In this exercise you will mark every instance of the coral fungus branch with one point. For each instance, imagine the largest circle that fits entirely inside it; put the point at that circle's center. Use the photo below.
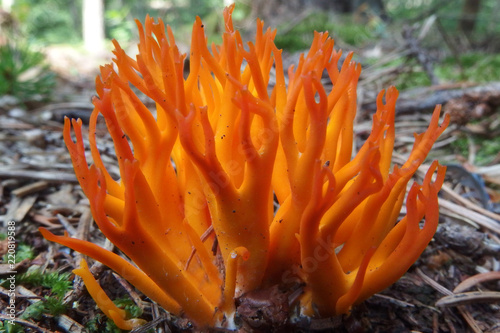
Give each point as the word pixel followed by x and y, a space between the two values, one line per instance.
pixel 267 169
pixel 104 302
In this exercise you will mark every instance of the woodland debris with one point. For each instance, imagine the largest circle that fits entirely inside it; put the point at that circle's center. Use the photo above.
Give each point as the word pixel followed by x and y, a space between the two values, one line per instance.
pixel 49 175
pixel 30 188
pixel 425 99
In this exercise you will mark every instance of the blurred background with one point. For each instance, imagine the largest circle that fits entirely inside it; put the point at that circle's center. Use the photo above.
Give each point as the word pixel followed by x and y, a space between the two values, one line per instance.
pixel 409 44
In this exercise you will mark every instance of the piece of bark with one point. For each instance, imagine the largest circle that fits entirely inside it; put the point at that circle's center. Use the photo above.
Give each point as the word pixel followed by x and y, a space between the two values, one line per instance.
pixel 426 99
pixel 19 207
pixel 51 176
pixel 469 298
pixel 30 188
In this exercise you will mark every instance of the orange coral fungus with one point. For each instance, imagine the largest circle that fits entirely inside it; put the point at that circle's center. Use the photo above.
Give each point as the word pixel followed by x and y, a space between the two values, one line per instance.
pixel 110 309
pixel 195 207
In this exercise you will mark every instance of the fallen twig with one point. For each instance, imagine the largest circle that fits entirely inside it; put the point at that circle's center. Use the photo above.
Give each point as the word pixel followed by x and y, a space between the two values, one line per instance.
pixel 51 176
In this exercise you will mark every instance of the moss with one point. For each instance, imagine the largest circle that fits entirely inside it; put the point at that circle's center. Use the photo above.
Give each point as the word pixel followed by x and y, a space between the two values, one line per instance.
pixel 474 67
pixel 58 283
pixel 486 148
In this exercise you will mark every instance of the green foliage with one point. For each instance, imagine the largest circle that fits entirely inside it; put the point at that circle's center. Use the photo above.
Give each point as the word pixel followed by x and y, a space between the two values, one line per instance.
pixel 23 251
pixel 58 283
pixel 50 22
pixel 49 305
pixel 242 10
pixel 6 327
pixel 100 323
pixel 125 303
pixel 411 10
pixel 411 79
pixel 300 36
pixel 24 74
pixel 357 34
pixel 486 148
pixel 51 25
pixel 449 14
pixel 488 151
pixel 487 23
pixel 460 146
pixel 180 15
pixel 118 25
pixel 183 11
pixel 472 67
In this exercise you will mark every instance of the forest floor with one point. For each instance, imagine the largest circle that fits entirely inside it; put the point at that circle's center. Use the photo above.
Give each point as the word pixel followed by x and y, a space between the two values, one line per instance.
pixel 453 287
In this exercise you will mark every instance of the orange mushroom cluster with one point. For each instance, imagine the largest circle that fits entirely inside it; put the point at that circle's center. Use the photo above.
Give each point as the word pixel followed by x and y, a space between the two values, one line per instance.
pixel 265 172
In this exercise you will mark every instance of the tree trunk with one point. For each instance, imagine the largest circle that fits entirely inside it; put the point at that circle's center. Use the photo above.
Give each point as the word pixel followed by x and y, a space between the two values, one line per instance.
pixel 7 5
pixel 469 15
pixel 93 25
